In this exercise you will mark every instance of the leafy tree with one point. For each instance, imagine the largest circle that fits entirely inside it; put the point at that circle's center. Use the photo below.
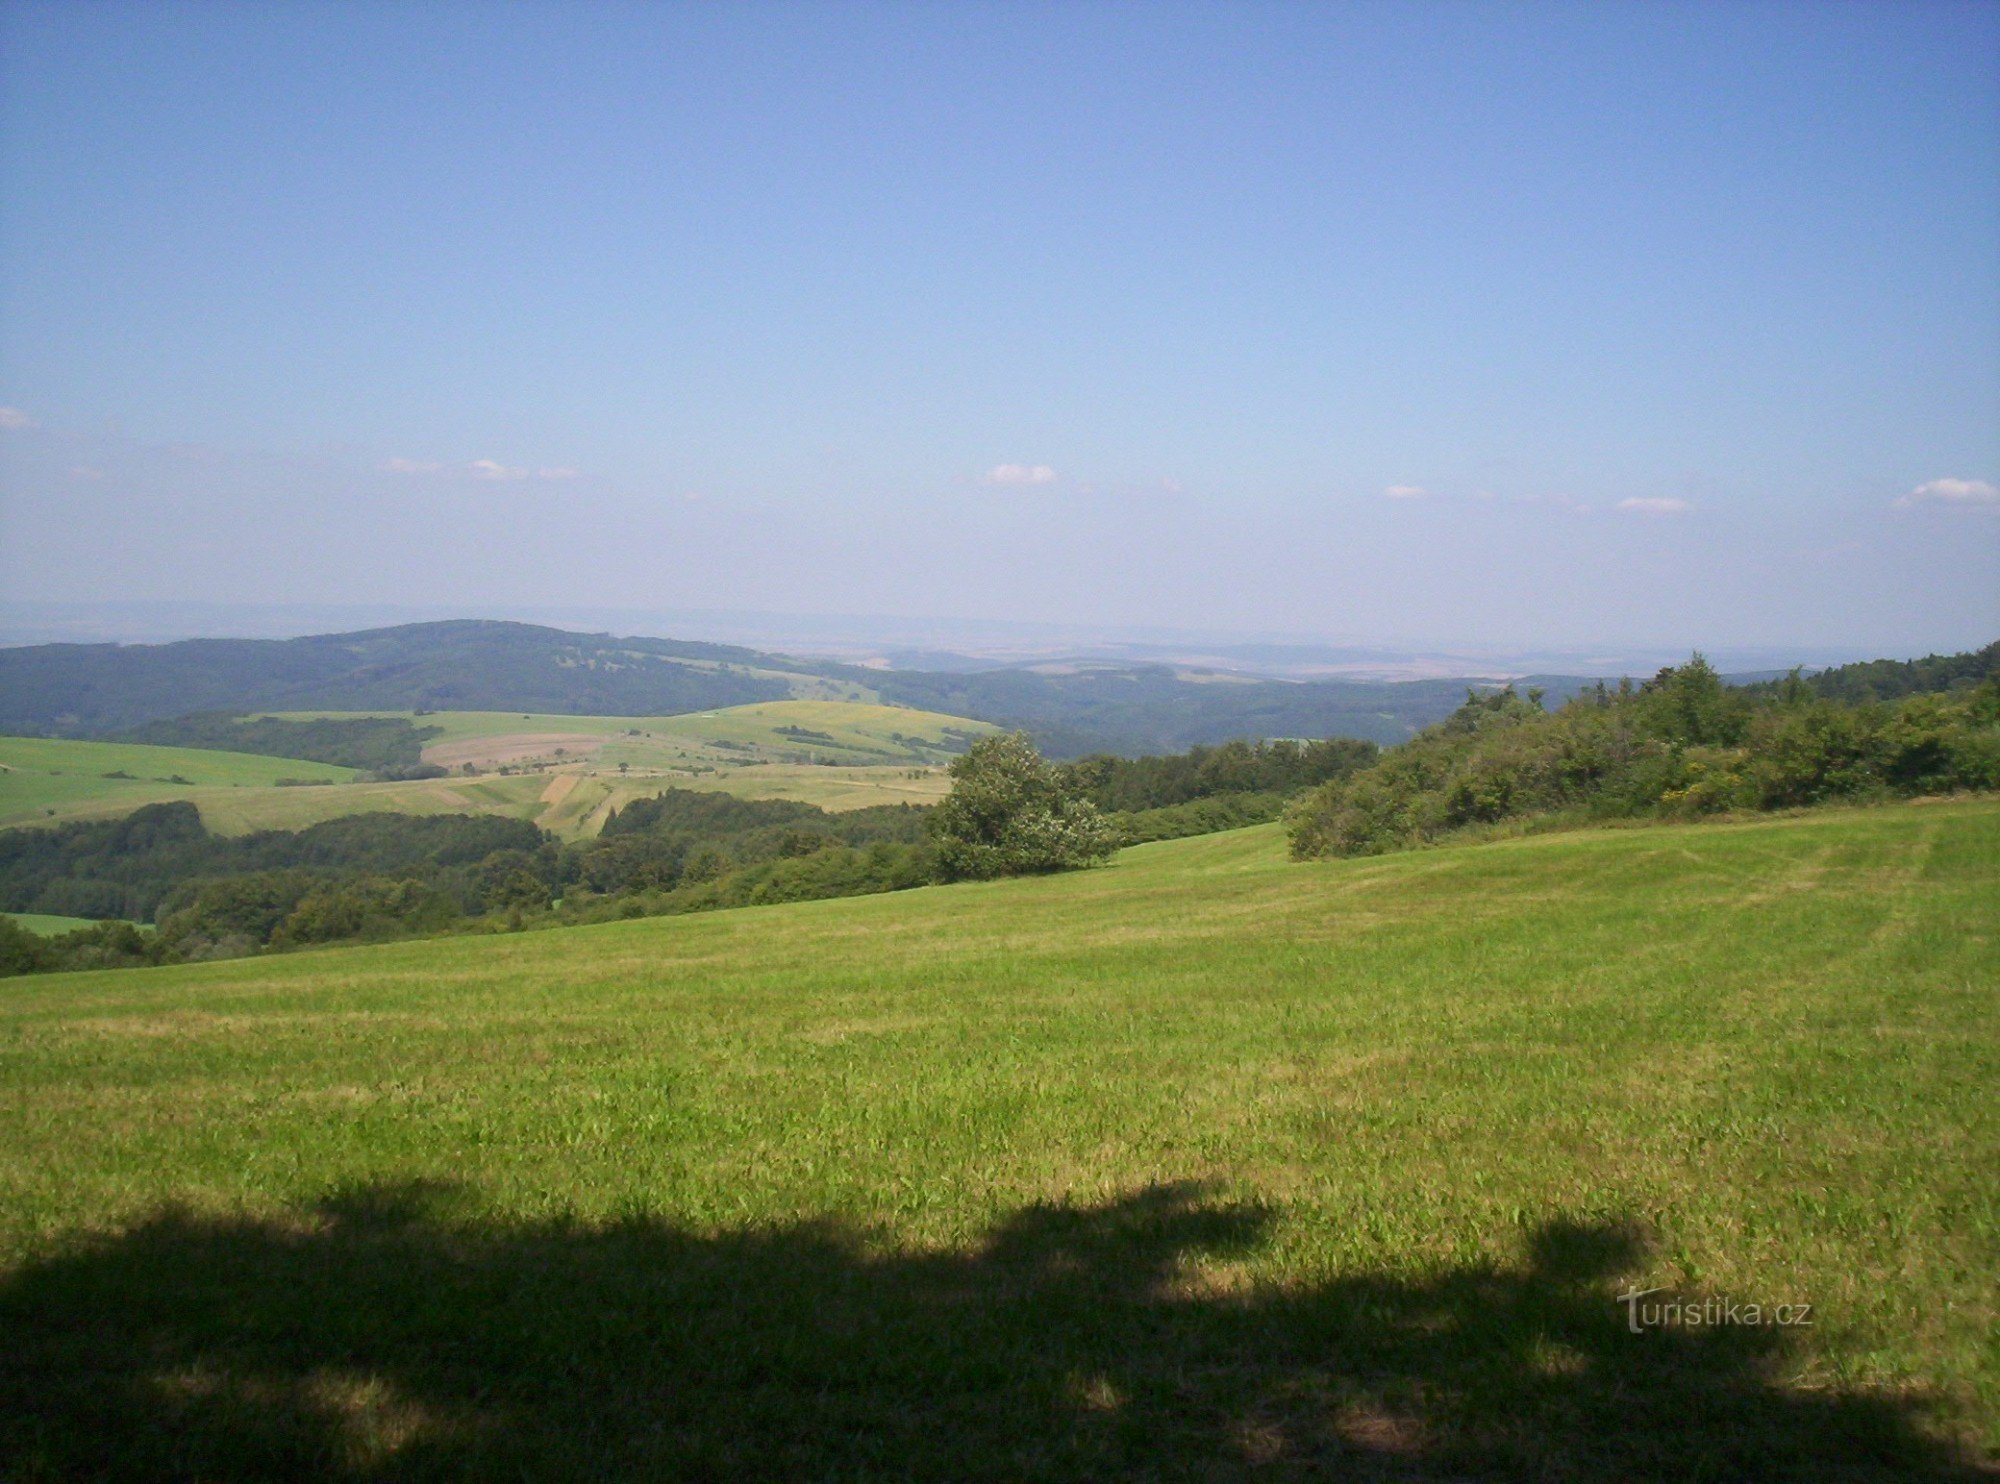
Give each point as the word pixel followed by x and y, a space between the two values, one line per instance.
pixel 1011 812
pixel 1691 704
pixel 21 952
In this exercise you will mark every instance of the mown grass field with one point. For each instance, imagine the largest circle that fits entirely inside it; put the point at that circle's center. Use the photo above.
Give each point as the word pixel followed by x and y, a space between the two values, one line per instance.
pixel 1204 1164
pixel 41 778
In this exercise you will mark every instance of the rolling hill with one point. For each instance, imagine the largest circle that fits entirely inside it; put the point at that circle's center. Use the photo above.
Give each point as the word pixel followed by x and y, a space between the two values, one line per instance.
pixel 44 778
pixel 98 689
pixel 565 773
pixel 79 689
pixel 1201 1165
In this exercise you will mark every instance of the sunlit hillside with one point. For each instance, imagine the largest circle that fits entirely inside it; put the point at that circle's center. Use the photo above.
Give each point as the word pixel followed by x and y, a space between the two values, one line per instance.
pixel 1199 1161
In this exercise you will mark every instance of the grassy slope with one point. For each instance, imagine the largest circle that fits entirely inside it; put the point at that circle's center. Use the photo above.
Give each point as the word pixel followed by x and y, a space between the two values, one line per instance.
pixel 38 775
pixel 1197 1161
pixel 48 925
pixel 860 732
pixel 235 794
pixel 580 811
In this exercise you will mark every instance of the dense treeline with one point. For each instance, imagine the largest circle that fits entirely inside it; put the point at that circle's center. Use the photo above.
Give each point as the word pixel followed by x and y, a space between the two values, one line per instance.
pixel 102 945
pixel 1682 744
pixel 1205 789
pixel 689 837
pixel 1119 783
pixel 83 690
pixel 148 863
pixel 1891 680
pixel 377 876
pixel 1203 816
pixel 386 746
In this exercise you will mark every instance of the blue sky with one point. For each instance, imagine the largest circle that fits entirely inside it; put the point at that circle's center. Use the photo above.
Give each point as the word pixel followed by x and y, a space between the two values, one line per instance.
pixel 1448 323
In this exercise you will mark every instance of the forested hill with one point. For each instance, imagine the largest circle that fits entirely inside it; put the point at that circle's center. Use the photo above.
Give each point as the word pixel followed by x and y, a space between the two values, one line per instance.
pixel 96 690
pixel 1891 680
pixel 1134 710
pixel 469 665
pixel 87 690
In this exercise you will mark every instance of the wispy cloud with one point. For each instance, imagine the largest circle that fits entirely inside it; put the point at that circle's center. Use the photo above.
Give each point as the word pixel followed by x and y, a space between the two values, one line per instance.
pixel 14 417
pixel 1406 492
pixel 1959 492
pixel 1021 474
pixel 490 470
pixel 1655 505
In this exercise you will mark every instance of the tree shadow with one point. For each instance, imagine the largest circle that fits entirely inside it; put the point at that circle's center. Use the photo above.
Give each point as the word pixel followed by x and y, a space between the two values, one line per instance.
pixel 378 1336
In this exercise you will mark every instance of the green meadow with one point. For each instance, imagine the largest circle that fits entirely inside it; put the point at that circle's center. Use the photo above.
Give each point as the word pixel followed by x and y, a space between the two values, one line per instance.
pixel 47 925
pixel 1204 1164
pixel 42 777
pixel 564 773
pixel 570 802
pixel 800 731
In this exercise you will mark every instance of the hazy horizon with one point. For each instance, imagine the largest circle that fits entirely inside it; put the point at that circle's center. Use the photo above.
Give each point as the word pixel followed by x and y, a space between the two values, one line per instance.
pixel 1506 328
pixel 928 642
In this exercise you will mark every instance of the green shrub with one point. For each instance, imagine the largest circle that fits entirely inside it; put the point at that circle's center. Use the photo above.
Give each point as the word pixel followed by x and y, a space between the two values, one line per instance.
pixel 1681 745
pixel 1012 813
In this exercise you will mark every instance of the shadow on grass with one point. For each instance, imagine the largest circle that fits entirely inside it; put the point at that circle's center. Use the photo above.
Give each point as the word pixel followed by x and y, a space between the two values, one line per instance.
pixel 377 1336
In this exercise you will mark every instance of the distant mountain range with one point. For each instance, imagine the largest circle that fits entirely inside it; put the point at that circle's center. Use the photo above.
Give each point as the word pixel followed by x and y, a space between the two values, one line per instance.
pixel 86 690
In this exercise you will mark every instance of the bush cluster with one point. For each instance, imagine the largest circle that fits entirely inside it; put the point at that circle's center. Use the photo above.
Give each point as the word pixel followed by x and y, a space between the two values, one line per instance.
pixel 1011 812
pixel 1682 744
pixel 1204 816
pixel 1134 784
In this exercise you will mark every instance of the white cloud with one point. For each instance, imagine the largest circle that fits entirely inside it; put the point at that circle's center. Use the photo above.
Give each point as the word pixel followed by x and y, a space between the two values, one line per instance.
pixel 1655 505
pixel 1406 492
pixel 14 417
pixel 1021 474
pixel 491 470
pixel 1959 492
